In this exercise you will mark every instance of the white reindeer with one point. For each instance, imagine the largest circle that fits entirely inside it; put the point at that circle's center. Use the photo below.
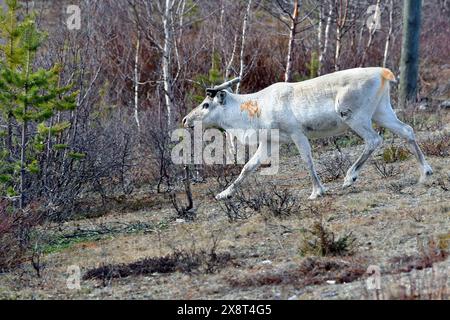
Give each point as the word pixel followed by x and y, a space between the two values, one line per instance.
pixel 322 107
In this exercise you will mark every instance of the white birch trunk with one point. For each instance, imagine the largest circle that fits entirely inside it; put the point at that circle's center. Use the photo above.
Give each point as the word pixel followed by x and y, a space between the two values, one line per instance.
pixel 389 36
pixel 320 32
pixel 337 53
pixel 166 61
pixel 230 62
pixel 326 35
pixel 136 82
pixel 288 73
pixel 244 31
pixel 341 20
pixel 372 30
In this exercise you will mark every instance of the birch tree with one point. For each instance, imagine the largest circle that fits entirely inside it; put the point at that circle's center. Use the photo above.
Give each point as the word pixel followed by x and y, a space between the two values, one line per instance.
pixel 292 34
pixel 409 64
pixel 373 27
pixel 389 34
pixel 341 7
pixel 167 61
pixel 243 39
pixel 323 46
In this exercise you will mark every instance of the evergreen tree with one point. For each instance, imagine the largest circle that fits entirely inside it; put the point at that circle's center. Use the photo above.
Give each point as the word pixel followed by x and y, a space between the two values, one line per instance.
pixel 29 100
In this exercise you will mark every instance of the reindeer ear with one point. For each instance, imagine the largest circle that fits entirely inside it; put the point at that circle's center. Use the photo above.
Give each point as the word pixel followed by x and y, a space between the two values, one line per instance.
pixel 211 92
pixel 221 95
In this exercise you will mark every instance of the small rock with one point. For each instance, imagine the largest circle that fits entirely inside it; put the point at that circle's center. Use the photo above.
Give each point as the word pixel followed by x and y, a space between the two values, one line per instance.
pixel 294 297
pixel 423 106
pixel 329 294
pixel 180 221
pixel 445 104
pixel 266 262
pixel 331 281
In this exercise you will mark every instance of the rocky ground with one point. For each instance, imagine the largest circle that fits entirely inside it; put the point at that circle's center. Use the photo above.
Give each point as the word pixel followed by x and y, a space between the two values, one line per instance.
pixel 395 224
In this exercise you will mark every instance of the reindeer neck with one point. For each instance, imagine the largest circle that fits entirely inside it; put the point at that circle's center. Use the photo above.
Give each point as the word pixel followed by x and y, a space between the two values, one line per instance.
pixel 235 117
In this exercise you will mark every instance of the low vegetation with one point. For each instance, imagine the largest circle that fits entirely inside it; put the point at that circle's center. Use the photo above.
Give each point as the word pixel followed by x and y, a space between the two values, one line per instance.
pixel 311 271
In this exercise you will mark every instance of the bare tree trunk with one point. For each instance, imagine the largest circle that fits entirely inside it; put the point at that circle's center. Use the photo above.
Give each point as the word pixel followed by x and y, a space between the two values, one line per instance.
pixel 181 20
pixel 319 34
pixel 244 31
pixel 353 33
pixel 292 33
pixel 409 64
pixel 341 20
pixel 166 61
pixel 337 53
pixel 136 82
pixel 324 51
pixel 230 62
pixel 389 35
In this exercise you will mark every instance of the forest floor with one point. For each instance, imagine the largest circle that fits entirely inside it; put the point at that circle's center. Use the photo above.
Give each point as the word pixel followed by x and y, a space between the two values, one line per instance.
pixel 398 226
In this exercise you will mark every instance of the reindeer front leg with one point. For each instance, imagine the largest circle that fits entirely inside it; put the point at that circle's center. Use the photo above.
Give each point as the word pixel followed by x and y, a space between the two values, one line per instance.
pixel 251 166
pixel 302 143
pixel 231 146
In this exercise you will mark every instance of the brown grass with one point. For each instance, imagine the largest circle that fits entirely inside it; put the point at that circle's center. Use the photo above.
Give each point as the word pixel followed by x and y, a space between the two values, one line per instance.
pixel 178 261
pixel 311 271
pixel 437 146
pixel 430 253
pixel 15 228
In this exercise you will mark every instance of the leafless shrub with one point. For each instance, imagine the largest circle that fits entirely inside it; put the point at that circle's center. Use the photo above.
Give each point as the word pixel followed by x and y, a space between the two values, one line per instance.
pixel 15 230
pixel 334 167
pixel 235 210
pixel 385 170
pixel 396 187
pixel 279 202
pixel 187 211
pixel 261 197
pixel 438 146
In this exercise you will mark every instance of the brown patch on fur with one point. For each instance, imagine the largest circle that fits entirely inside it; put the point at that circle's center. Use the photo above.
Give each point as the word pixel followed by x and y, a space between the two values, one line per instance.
pixel 252 108
pixel 386 74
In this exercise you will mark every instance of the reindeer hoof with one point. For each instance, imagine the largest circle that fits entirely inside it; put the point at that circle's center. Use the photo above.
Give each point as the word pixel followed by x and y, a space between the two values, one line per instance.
pixel 426 173
pixel 224 195
pixel 317 193
pixel 348 182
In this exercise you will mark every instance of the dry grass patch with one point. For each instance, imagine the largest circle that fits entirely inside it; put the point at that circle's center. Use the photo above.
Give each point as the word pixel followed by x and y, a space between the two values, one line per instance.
pixel 438 146
pixel 311 271
pixel 431 252
pixel 178 261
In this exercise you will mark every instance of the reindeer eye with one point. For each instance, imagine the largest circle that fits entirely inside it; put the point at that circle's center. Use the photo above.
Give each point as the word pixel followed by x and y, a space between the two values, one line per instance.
pixel 205 105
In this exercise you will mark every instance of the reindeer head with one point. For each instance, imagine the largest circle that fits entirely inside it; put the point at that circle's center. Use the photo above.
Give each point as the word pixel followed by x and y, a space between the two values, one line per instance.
pixel 210 111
